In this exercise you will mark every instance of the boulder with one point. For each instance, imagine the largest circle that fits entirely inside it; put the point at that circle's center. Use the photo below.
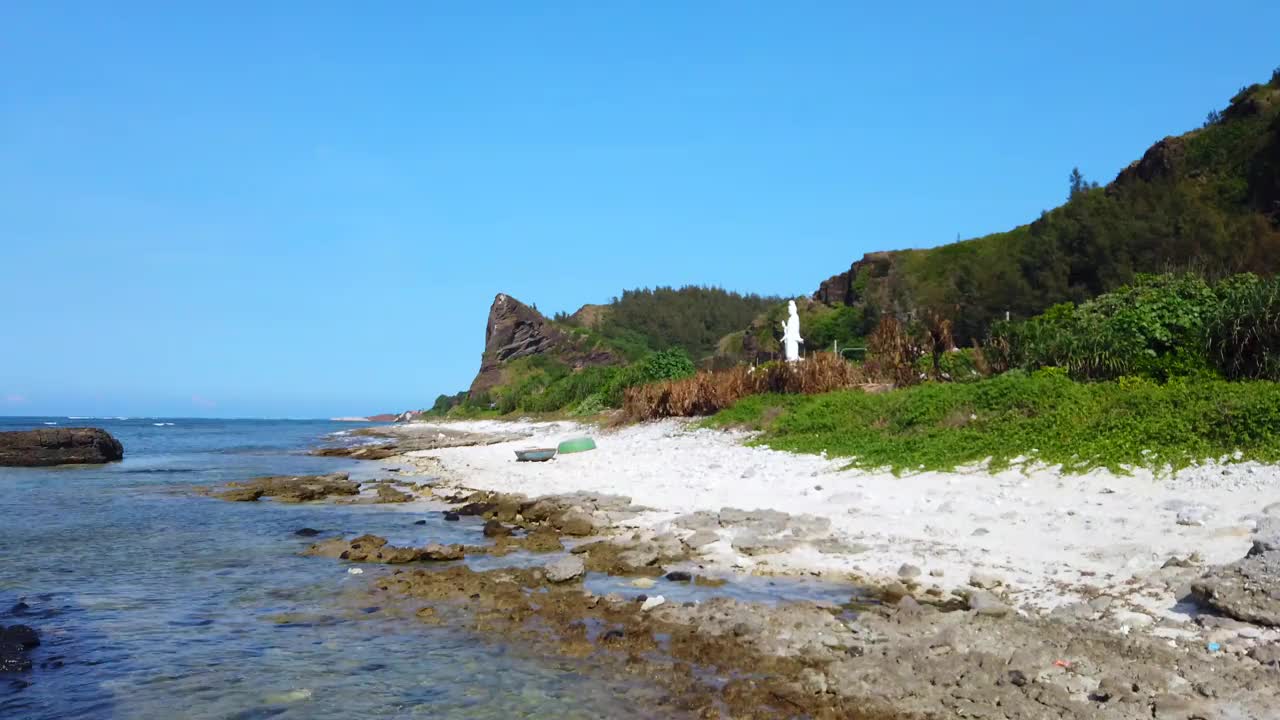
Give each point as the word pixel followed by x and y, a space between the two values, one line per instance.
pixel 1247 590
pixel 565 569
pixel 58 446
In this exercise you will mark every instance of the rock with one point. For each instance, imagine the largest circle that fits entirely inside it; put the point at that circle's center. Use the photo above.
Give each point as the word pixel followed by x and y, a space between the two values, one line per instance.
pixel 388 494
pixel 1195 515
pixel 643 583
pixel 565 569
pixel 979 532
pixel 752 544
pixel 22 635
pixel 493 528
pixel 701 538
pixel 1273 509
pixel 1266 537
pixel 1247 590
pixel 1176 707
pixel 700 520
pixel 651 603
pixel 374 549
pixel 241 495
pixel 575 522
pixel 987 604
pixel 1133 620
pixel 1268 654
pixel 908 572
pixel 306 532
pixel 984 579
pixel 515 330
pixel 679 576
pixel 451 517
pixel 291 488
pixel 58 446
pixel 419 522
pixel 637 558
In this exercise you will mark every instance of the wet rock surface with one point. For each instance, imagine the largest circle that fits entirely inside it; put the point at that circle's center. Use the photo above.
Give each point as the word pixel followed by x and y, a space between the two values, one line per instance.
pixel 729 658
pixel 290 488
pixel 16 641
pixel 375 549
pixel 58 446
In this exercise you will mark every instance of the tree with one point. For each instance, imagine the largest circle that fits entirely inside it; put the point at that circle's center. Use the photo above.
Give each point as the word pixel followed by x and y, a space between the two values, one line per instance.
pixel 1078 184
pixel 1212 118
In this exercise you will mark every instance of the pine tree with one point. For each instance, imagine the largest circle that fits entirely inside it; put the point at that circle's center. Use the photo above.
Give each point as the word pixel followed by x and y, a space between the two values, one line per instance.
pixel 1078 183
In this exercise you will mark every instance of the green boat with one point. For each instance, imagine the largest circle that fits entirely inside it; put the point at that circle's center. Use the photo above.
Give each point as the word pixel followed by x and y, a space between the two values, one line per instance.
pixel 535 455
pixel 576 445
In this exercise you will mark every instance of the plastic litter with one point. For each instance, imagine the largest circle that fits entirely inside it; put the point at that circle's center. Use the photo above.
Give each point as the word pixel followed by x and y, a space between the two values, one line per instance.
pixel 1214 647
pixel 355 571
pixel 1062 663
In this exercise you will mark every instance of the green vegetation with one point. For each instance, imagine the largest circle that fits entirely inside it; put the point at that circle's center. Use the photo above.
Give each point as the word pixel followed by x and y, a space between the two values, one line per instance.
pixel 694 318
pixel 1161 327
pixel 1207 201
pixel 1044 416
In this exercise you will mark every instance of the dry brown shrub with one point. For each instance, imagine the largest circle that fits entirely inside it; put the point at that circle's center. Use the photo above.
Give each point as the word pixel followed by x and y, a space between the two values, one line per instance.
pixel 708 392
pixel 892 352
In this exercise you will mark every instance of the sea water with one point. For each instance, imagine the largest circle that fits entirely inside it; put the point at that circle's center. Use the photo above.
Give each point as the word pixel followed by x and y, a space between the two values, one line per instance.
pixel 154 602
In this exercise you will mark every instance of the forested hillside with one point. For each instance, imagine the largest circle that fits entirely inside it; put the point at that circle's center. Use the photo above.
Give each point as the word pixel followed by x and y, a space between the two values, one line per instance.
pixel 1207 201
pixel 692 318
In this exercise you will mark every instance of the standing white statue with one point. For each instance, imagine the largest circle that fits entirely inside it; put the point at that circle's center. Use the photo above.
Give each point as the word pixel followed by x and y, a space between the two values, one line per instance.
pixel 791 333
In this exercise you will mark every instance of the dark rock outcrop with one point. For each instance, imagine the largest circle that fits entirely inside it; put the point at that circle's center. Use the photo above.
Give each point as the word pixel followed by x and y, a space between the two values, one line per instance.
pixel 1247 590
pixel 295 489
pixel 515 330
pixel 58 446
pixel 374 549
pixel 15 641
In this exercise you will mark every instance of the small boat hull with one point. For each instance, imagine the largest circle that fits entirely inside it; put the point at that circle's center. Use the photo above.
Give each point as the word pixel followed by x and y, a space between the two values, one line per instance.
pixel 576 445
pixel 535 455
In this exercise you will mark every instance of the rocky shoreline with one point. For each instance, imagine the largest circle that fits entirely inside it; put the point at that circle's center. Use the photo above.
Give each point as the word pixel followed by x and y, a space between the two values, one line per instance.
pixel 919 649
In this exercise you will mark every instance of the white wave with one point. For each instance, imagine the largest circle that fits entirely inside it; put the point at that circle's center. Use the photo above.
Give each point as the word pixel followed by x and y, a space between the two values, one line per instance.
pixel 51 423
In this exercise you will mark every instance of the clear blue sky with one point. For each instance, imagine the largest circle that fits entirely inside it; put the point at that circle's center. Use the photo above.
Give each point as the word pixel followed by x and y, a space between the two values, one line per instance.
pixel 305 209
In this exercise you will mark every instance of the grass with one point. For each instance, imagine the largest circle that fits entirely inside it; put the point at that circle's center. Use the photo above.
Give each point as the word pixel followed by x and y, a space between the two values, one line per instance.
pixel 1044 416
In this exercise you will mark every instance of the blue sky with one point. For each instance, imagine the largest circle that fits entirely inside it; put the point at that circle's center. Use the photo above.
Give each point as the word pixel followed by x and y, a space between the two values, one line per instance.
pixel 305 209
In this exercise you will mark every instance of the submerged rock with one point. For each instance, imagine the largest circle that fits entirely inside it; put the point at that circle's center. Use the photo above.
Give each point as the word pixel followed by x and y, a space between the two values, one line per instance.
pixel 15 641
pixel 58 446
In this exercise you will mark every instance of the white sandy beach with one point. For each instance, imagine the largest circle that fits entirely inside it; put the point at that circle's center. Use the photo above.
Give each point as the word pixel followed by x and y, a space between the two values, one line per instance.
pixel 1051 538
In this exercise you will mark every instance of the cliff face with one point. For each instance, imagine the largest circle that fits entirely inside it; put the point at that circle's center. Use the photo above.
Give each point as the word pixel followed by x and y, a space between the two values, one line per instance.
pixel 515 330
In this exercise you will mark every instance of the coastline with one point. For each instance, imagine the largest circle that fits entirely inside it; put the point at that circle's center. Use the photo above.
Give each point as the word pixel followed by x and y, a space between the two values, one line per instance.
pixel 1076 601
pixel 1050 540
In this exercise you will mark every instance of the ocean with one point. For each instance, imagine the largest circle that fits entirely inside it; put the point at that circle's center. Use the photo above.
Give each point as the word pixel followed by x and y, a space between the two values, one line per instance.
pixel 154 602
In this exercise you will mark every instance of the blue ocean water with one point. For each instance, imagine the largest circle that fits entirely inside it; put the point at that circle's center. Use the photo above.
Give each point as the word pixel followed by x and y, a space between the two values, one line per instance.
pixel 153 602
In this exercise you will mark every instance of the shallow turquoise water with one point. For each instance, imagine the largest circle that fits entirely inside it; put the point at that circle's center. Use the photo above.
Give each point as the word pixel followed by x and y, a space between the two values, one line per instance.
pixel 159 604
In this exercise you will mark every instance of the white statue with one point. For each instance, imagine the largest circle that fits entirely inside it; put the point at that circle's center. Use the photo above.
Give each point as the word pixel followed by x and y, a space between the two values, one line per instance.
pixel 791 333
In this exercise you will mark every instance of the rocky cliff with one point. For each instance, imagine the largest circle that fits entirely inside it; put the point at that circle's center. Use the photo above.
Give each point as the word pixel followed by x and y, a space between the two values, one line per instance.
pixel 515 330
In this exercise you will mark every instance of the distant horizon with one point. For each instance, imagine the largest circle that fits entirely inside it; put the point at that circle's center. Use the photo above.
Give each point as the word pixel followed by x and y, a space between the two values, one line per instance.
pixel 335 418
pixel 293 210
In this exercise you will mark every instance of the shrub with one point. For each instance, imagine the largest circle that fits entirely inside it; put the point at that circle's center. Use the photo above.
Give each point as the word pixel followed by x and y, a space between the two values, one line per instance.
pixel 893 350
pixel 708 392
pixel 1132 421
pixel 1244 333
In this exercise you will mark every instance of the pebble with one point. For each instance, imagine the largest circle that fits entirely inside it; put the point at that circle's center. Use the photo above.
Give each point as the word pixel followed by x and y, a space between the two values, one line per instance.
pixel 1195 516
pixel 355 571
pixel 651 603
pixel 908 572
pixel 643 583
pixel 679 576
